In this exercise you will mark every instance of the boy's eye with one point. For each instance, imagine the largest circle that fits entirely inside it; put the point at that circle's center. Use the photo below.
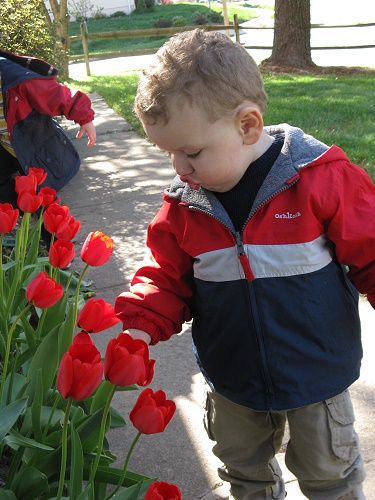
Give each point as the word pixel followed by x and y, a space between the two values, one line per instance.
pixel 193 155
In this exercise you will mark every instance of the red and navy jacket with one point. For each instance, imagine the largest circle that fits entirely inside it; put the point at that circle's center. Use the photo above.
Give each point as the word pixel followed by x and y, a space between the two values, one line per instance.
pixel 275 306
pixel 32 97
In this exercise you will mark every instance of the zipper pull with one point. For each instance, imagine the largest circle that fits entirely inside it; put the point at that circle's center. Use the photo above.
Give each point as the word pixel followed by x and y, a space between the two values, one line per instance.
pixel 242 257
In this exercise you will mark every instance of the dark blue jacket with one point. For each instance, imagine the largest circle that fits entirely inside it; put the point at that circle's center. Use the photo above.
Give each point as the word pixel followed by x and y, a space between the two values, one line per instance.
pixel 274 307
pixel 32 96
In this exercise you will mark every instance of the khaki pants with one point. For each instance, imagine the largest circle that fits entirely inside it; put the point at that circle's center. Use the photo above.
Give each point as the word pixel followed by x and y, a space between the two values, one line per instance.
pixel 323 450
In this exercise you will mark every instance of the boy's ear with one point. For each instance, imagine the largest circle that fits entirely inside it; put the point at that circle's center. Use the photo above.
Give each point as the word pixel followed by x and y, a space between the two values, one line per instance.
pixel 250 122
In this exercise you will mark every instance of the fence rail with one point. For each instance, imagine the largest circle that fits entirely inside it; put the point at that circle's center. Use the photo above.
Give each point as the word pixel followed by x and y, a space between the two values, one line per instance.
pixel 236 27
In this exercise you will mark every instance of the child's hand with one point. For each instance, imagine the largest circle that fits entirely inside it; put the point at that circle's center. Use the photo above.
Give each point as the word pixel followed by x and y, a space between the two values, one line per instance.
pixel 138 334
pixel 89 130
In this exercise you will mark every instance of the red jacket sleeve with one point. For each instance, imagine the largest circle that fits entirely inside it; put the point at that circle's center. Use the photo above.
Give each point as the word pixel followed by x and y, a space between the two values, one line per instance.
pixel 352 227
pixel 52 98
pixel 161 293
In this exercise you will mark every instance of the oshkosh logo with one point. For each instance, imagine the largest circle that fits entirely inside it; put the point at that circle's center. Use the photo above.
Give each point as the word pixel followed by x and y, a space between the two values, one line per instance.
pixel 287 215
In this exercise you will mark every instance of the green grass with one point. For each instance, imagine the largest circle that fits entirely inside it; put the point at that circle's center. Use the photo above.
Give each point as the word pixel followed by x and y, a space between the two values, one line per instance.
pixel 145 20
pixel 334 109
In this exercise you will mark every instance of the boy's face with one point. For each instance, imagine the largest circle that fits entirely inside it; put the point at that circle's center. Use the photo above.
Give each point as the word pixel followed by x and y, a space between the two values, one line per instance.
pixel 212 155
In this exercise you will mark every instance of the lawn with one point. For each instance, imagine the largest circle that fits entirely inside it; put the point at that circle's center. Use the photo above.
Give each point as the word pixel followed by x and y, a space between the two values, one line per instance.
pixel 334 108
pixel 146 20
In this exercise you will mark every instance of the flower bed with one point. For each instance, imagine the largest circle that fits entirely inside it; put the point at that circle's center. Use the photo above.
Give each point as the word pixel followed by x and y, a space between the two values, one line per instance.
pixel 55 389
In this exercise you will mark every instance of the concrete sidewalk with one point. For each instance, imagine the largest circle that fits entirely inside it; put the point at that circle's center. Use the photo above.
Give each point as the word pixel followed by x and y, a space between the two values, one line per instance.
pixel 117 191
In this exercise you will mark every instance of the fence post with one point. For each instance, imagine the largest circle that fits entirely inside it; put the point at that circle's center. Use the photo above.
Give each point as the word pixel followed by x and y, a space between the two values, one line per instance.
pixel 236 28
pixel 85 47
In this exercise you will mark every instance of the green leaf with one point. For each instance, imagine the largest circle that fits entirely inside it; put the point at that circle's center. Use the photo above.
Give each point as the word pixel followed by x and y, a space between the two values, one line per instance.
pixel 131 493
pixel 29 332
pixel 36 406
pixel 54 315
pixel 65 336
pixel 101 396
pixel 76 468
pixel 88 432
pixel 112 475
pixel 7 495
pixel 9 415
pixel 18 384
pixel 14 440
pixel 45 356
pixel 117 420
pixel 30 483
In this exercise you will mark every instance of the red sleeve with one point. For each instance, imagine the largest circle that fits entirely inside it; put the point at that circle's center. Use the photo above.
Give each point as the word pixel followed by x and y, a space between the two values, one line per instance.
pixel 160 297
pixel 352 227
pixel 52 98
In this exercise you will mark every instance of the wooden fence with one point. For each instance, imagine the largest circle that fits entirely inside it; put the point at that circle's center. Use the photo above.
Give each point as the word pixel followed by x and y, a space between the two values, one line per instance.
pixel 236 27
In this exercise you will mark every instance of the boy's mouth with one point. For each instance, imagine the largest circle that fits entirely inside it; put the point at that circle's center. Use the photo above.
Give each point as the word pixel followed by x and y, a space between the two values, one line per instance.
pixel 189 182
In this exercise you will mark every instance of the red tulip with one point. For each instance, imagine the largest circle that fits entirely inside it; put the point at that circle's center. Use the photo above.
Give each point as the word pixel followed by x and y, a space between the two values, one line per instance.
pixel 28 201
pixel 39 174
pixel 56 218
pixel 96 315
pixel 69 232
pixel 61 253
pixel 163 491
pixel 49 196
pixel 27 182
pixel 8 217
pixel 152 412
pixel 126 362
pixel 97 249
pixel 43 291
pixel 81 369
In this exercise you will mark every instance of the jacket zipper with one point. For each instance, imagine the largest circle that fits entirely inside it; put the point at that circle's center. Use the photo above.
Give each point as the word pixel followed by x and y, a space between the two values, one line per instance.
pixel 249 276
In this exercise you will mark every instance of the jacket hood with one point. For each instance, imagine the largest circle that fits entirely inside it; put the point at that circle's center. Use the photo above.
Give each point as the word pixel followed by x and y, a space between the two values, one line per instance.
pixel 299 151
pixel 15 69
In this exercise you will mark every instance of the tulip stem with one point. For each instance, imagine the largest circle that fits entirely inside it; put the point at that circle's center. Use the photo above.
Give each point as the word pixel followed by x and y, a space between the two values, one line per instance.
pixel 77 291
pixel 64 449
pixel 101 437
pixel 40 324
pixel 125 468
pixel 2 278
pixel 7 351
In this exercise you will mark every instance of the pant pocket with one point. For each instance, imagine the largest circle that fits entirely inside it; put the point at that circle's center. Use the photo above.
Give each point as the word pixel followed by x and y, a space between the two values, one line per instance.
pixel 207 419
pixel 344 439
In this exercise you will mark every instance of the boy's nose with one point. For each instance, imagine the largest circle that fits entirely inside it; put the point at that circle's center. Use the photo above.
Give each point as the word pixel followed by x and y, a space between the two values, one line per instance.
pixel 181 164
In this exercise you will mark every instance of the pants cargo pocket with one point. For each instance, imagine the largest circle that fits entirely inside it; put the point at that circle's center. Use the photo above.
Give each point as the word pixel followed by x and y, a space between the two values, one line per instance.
pixel 207 417
pixel 344 439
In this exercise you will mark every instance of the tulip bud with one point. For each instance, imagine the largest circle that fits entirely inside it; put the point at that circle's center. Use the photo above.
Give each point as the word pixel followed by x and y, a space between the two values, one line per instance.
pixel 81 369
pixel 43 291
pixel 8 217
pixel 163 491
pixel 96 315
pixel 97 249
pixel 152 412
pixel 127 362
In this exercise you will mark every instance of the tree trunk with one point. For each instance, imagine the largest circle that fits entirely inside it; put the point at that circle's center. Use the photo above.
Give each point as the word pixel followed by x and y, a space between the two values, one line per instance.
pixel 291 42
pixel 61 20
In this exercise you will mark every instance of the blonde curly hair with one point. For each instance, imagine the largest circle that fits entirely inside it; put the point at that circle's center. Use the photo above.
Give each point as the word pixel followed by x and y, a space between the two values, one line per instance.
pixel 203 67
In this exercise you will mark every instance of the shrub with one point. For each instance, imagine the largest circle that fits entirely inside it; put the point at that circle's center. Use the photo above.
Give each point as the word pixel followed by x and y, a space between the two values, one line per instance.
pixel 216 17
pixel 199 18
pixel 162 23
pixel 179 21
pixel 150 4
pixel 140 6
pixel 99 14
pixel 118 13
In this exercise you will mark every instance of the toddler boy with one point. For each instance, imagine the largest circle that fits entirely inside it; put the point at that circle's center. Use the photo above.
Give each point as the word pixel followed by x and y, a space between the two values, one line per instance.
pixel 264 239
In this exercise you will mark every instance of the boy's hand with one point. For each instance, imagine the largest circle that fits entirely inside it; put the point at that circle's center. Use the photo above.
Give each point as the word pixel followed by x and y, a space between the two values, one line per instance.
pixel 89 130
pixel 138 334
